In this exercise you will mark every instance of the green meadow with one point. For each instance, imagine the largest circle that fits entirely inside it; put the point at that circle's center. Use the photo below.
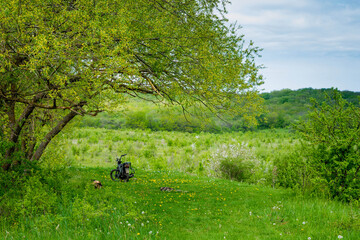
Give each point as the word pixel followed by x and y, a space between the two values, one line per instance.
pixel 207 201
pixel 177 87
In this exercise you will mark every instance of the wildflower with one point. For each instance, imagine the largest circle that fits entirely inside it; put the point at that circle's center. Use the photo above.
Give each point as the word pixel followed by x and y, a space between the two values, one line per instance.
pixel 142 212
pixel 309 238
pixel 250 213
pixel 138 234
pixel 274 223
pixel 142 224
pixel 340 237
pixel 129 224
pixel 303 223
pixel 150 232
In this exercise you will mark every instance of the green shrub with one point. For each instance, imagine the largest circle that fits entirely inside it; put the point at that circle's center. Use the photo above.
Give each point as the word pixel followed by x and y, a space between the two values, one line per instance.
pixel 234 161
pixel 332 134
pixel 292 170
pixel 235 169
pixel 36 199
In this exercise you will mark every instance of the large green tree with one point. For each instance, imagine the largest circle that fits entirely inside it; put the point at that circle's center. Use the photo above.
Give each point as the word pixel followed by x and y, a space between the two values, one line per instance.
pixel 63 58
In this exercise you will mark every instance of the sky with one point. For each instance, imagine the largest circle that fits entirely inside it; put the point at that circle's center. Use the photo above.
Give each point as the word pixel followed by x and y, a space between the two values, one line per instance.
pixel 306 43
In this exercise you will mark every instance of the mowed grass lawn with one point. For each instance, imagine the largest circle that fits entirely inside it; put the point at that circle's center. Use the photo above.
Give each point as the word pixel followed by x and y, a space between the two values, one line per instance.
pixel 198 208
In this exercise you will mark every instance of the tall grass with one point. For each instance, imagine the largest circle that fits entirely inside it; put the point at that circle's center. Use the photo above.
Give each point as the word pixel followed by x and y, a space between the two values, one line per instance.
pixel 59 202
pixel 194 153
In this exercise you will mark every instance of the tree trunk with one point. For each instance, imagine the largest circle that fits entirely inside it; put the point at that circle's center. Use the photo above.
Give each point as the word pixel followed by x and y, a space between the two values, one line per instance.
pixel 17 126
pixel 10 111
pixel 32 141
pixel 47 139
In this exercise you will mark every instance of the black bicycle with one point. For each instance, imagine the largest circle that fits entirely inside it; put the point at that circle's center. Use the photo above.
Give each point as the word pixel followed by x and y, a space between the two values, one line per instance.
pixel 124 171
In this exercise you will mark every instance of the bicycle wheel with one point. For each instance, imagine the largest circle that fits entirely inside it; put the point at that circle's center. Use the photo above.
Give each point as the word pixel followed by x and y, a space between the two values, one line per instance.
pixel 115 175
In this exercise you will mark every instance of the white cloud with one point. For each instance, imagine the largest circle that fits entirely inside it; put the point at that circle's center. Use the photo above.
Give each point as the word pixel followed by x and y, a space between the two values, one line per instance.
pixel 271 3
pixel 304 24
pixel 307 43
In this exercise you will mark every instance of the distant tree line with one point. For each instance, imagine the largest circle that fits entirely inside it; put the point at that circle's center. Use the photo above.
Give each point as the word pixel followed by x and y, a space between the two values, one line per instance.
pixel 286 106
pixel 283 108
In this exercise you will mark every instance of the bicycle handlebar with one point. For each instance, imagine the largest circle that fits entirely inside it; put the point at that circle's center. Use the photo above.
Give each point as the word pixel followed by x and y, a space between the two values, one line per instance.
pixel 119 159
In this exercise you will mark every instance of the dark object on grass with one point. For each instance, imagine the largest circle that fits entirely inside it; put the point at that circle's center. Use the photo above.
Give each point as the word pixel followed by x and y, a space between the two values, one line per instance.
pixel 124 171
pixel 97 184
pixel 169 189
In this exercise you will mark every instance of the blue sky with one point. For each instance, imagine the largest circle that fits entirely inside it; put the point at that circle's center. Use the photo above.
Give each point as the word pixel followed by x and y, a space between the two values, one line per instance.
pixel 307 43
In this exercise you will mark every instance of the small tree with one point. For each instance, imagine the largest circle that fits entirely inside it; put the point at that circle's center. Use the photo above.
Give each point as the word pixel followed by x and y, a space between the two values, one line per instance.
pixel 332 132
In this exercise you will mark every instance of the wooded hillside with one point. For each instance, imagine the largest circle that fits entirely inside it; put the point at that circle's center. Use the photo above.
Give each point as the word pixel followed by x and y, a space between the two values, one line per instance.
pixel 283 108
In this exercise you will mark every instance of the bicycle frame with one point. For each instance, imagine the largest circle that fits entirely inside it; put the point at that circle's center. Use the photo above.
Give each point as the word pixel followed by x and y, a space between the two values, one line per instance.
pixel 124 171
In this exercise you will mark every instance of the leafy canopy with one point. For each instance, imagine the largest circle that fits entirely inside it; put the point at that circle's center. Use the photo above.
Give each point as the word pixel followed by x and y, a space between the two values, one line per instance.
pixel 62 58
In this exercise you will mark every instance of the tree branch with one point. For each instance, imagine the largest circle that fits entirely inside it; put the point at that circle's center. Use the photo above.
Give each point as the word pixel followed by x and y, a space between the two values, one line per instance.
pixel 50 135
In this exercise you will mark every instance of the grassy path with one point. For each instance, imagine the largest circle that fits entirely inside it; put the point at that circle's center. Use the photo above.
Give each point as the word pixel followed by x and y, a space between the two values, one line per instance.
pixel 203 208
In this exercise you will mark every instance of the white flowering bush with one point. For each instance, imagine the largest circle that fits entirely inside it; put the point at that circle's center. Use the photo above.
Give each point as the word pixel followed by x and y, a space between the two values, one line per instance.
pixel 234 161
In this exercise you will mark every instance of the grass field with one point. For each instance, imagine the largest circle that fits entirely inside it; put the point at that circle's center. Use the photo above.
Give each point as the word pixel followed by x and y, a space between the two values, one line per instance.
pixel 203 208
pixel 62 203
pixel 185 152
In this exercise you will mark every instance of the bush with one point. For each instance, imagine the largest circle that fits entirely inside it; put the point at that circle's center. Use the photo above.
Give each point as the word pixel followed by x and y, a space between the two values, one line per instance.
pixel 65 196
pixel 234 161
pixel 26 196
pixel 332 135
pixel 37 198
pixel 292 170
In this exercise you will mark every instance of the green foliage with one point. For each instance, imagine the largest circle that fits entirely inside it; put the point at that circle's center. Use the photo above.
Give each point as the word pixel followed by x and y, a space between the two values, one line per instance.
pixel 25 196
pixel 89 206
pixel 36 199
pixel 197 153
pixel 65 196
pixel 284 107
pixel 292 170
pixel 145 115
pixel 60 59
pixel 332 132
pixel 235 162
pixel 203 208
